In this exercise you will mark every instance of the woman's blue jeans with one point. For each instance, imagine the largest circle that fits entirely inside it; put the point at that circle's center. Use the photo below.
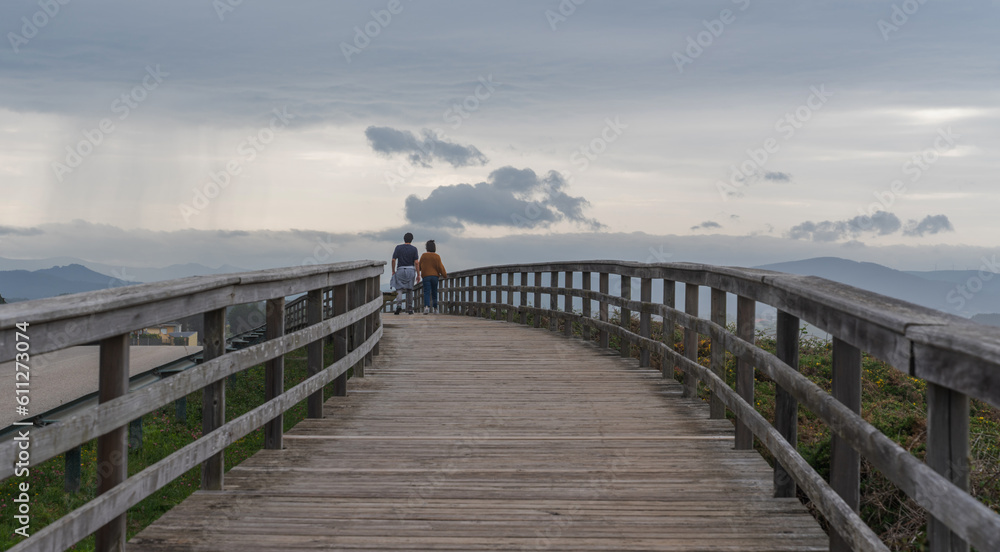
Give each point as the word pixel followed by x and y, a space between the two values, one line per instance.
pixel 431 291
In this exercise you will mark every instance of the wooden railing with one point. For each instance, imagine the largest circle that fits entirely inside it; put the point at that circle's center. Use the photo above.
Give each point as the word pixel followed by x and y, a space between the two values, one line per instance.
pixel 956 358
pixel 350 293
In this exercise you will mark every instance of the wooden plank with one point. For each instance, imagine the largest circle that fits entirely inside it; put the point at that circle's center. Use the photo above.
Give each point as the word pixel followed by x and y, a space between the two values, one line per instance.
pixel 786 407
pixel 213 397
pixel 746 312
pixel 474 450
pixel 717 409
pixel 112 447
pixel 690 339
pixel 845 462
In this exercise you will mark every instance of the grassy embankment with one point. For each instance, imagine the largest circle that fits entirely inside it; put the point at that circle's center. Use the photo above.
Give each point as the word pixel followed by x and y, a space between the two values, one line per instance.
pixel 162 435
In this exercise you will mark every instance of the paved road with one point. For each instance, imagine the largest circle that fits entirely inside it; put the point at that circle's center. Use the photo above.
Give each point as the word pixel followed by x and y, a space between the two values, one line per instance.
pixel 62 376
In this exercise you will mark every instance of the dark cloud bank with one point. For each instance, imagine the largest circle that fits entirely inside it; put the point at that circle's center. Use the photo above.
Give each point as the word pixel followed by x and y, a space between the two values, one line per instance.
pixel 881 223
pixel 422 151
pixel 510 197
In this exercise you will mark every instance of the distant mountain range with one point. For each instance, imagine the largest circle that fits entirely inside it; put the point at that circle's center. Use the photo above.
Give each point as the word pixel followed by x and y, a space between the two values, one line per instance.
pixel 945 290
pixel 23 280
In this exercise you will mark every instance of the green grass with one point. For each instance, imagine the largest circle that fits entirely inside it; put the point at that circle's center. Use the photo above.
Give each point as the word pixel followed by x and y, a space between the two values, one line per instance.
pixel 162 435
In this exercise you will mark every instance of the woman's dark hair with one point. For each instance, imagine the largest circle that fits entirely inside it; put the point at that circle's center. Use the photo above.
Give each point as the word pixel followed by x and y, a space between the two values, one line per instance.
pixel 431 248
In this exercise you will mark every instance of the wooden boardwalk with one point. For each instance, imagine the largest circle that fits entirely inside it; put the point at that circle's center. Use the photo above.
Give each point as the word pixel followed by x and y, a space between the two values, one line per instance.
pixel 469 434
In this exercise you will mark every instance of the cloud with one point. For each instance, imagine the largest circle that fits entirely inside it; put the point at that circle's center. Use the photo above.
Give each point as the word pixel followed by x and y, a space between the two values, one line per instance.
pixel 881 223
pixel 510 197
pixel 389 141
pixel 776 176
pixel 708 224
pixel 932 224
pixel 13 231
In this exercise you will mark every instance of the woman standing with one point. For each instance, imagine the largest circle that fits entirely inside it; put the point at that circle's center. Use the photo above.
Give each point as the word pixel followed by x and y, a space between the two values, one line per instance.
pixel 430 269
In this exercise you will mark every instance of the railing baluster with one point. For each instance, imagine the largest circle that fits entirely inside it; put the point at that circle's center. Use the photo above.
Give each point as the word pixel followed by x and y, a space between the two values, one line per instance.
pixel 340 338
pixel 690 388
pixel 72 483
pixel 538 300
pixel 587 307
pixel 947 454
pixel 523 300
pixel 510 297
pixel 669 327
pixel 112 447
pixel 716 408
pixel 213 398
pixel 554 301
pixel 645 295
pixel 568 303
pixel 786 407
pixel 314 352
pixel 274 372
pixel 845 462
pixel 625 316
pixel 746 311
pixel 605 285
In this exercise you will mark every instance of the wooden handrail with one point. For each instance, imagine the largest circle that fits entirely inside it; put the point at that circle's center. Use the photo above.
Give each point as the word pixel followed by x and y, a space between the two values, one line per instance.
pixel 956 357
pixel 344 289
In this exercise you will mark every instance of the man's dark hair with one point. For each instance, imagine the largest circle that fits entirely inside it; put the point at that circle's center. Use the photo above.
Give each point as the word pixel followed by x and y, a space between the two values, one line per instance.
pixel 431 248
pixel 408 237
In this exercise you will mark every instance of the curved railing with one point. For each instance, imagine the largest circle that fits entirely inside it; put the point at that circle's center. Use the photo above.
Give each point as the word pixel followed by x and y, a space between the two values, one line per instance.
pixel 348 290
pixel 957 359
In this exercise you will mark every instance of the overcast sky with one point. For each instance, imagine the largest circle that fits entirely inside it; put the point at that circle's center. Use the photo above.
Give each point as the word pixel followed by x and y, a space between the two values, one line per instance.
pixel 732 132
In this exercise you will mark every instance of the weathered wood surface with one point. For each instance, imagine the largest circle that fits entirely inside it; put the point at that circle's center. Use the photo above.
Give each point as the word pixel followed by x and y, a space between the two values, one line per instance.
pixel 480 435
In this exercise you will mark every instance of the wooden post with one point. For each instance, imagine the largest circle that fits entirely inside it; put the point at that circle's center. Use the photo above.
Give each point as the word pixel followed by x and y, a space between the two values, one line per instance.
pixel 845 462
pixel 340 338
pixel 523 298
pixel 669 327
pixel 72 482
pixel 376 316
pixel 314 352
pixel 947 454
pixel 538 300
pixel 645 295
pixel 510 297
pixel 568 303
pixel 690 388
pixel 359 336
pixel 553 301
pixel 112 447
pixel 477 291
pixel 604 282
pixel 786 407
pixel 213 398
pixel 716 408
pixel 274 373
pixel 587 307
pixel 746 312
pixel 371 292
pixel 625 316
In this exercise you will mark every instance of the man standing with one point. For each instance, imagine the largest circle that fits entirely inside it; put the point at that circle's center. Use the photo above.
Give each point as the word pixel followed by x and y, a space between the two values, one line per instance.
pixel 405 273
